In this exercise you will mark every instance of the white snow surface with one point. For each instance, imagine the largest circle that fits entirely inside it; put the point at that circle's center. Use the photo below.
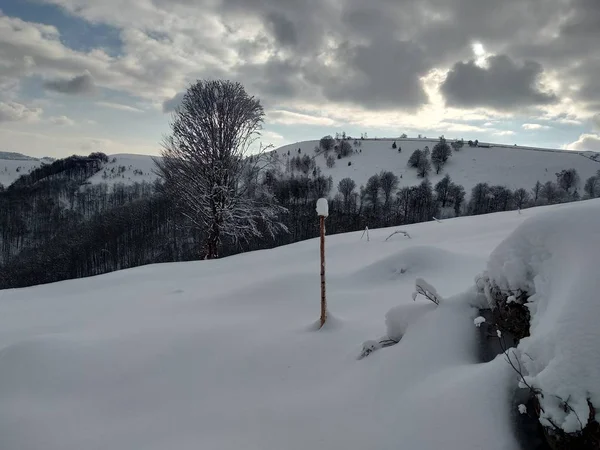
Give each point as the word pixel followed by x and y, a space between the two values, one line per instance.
pixel 506 165
pixel 126 169
pixel 121 168
pixel 221 354
pixel 555 257
pixel 478 321
pixel 322 207
pixel 11 169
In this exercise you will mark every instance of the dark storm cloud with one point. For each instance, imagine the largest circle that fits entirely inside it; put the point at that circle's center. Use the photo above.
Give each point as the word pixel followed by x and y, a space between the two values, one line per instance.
pixel 504 84
pixel 382 75
pixel 571 49
pixel 583 20
pixel 80 84
pixel 283 29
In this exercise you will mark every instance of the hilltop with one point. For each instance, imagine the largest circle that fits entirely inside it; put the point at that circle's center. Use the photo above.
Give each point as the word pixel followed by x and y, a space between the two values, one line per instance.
pixel 495 164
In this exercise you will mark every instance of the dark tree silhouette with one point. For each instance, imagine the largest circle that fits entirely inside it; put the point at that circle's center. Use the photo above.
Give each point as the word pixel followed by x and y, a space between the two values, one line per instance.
pixel 203 161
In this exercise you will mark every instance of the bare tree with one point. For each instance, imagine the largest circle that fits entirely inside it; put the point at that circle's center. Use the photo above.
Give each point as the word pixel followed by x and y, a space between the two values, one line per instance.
pixel 372 191
pixel 442 190
pixel 330 160
pixel 389 183
pixel 536 191
pixel 592 187
pixel 344 149
pixel 413 160
pixel 440 154
pixel 327 143
pixel 424 167
pixel 567 179
pixel 346 187
pixel 550 193
pixel 521 197
pixel 205 168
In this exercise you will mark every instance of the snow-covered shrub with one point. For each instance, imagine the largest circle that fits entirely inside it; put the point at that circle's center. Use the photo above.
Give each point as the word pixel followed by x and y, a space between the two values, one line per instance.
pixel 548 269
pixel 509 308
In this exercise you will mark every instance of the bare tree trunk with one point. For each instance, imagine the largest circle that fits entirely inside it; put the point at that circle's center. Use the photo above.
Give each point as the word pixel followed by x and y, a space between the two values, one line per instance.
pixel 212 242
pixel 323 298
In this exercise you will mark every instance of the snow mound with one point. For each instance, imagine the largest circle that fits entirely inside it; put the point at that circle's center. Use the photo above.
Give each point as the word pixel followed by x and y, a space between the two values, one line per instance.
pixel 416 260
pixel 399 318
pixel 554 258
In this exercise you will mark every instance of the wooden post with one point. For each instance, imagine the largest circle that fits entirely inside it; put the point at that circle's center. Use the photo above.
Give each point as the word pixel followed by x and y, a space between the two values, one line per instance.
pixel 323 297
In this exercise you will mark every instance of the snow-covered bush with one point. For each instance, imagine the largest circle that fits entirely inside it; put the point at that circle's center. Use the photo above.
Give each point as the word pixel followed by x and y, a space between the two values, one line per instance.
pixel 547 271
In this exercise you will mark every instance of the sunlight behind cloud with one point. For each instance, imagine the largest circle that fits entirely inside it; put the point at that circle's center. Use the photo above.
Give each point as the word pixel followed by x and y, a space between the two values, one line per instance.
pixel 480 54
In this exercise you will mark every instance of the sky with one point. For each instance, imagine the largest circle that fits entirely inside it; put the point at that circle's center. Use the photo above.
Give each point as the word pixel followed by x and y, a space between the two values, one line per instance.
pixel 78 76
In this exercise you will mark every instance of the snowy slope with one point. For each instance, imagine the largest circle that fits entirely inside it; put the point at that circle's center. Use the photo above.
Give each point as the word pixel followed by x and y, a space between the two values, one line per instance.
pixel 11 169
pixel 514 167
pixel 121 168
pixel 126 169
pixel 511 166
pixel 14 155
pixel 221 355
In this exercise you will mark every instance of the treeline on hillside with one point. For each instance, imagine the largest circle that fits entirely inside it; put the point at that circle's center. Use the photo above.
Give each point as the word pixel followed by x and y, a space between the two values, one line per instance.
pixel 56 229
pixel 54 198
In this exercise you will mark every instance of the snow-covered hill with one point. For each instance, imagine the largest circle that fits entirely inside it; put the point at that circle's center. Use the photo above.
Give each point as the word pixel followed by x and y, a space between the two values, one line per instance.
pixel 11 169
pixel 126 169
pixel 221 354
pixel 121 168
pixel 18 156
pixel 498 164
pixel 511 166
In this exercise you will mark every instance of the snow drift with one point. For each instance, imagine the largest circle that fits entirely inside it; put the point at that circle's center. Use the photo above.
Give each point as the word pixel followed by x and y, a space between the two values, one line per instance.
pixel 555 258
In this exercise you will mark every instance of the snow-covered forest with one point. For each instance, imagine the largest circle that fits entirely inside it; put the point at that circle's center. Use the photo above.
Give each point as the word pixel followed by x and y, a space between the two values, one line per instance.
pixel 75 215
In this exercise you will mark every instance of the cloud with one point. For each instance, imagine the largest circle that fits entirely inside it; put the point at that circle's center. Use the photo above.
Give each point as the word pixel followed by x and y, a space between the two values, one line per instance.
pixel 171 104
pixel 596 121
pixel 120 107
pixel 503 84
pixel 293 118
pixel 504 133
pixel 534 126
pixel 61 120
pixel 283 29
pixel 460 128
pixel 376 64
pixel 80 84
pixel 384 74
pixel 272 138
pixel 17 112
pixel 589 142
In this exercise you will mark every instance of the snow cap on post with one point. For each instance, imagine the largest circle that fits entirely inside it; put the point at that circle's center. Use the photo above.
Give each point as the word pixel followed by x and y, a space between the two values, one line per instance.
pixel 322 207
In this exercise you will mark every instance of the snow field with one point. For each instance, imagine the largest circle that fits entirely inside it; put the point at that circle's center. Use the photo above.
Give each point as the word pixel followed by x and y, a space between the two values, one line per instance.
pixel 220 354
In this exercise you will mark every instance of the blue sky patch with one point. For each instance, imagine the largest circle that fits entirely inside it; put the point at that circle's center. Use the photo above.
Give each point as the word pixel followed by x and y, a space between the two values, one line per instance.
pixel 75 33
